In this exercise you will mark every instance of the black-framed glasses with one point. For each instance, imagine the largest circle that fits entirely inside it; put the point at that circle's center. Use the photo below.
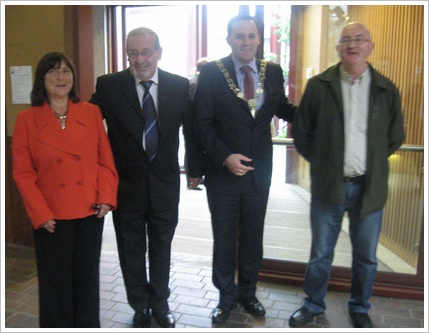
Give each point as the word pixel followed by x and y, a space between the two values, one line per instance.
pixel 357 41
pixel 147 53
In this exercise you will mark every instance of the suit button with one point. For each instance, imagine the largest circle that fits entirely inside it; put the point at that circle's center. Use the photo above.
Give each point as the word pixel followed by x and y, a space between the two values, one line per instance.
pixel 62 185
pixel 59 160
pixel 76 158
pixel 79 183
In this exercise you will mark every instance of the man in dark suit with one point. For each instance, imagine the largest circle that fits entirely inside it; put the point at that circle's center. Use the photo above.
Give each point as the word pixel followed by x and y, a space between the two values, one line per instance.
pixel 233 128
pixel 149 187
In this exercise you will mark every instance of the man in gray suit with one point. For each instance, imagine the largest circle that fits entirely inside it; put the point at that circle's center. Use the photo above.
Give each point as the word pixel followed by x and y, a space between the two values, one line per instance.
pixel 148 196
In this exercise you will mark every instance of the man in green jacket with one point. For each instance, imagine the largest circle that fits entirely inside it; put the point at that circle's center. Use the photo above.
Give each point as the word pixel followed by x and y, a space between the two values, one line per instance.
pixel 348 123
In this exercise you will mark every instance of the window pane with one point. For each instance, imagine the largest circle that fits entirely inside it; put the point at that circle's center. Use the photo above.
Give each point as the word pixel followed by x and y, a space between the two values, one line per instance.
pixel 175 26
pixel 217 23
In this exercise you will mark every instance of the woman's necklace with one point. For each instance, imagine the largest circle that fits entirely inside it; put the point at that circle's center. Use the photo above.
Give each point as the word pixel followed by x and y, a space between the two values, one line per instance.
pixel 61 118
pixel 253 103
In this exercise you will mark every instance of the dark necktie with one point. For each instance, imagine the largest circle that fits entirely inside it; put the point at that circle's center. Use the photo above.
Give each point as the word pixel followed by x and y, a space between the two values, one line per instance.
pixel 249 89
pixel 151 123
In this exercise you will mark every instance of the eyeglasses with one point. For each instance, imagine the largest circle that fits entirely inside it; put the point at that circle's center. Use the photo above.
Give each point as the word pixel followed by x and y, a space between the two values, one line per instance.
pixel 357 41
pixel 145 54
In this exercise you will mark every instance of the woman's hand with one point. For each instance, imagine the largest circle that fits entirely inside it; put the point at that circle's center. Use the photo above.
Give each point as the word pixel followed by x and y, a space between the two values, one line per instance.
pixel 102 209
pixel 49 226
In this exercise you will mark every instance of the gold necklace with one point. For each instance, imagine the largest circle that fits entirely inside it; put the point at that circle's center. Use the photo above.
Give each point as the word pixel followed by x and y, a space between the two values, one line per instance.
pixel 254 102
pixel 61 118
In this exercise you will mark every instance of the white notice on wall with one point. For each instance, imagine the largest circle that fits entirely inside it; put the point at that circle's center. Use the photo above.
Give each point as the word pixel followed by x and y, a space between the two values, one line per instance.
pixel 21 84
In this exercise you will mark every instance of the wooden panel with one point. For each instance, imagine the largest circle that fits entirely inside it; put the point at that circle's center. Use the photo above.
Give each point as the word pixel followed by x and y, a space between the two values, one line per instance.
pixel 18 227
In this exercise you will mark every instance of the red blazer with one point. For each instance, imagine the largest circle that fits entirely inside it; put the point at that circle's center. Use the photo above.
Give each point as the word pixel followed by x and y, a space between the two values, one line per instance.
pixel 61 173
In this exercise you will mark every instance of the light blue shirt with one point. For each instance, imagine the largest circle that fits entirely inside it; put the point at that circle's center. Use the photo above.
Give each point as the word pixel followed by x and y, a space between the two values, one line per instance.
pixel 253 72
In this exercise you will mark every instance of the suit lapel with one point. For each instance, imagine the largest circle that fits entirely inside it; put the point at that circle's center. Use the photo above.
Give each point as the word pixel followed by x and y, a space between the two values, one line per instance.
pixel 166 93
pixel 163 96
pixel 229 66
pixel 128 88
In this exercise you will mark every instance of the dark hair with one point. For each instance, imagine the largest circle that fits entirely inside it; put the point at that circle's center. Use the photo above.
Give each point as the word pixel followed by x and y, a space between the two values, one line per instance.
pixel 241 17
pixel 49 61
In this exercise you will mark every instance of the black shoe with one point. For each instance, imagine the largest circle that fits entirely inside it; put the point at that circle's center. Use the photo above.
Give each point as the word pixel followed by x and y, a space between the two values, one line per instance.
pixel 253 306
pixel 221 313
pixel 164 319
pixel 361 320
pixel 142 319
pixel 301 317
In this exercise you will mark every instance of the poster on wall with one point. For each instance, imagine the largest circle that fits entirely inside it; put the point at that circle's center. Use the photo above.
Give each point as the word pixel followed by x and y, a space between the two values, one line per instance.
pixel 21 84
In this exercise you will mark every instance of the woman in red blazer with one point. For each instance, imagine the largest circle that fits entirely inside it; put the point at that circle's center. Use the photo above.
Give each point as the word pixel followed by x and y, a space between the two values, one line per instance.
pixel 64 169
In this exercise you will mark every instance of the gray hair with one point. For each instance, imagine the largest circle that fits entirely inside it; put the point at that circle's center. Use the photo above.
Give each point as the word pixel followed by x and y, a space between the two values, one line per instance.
pixel 144 31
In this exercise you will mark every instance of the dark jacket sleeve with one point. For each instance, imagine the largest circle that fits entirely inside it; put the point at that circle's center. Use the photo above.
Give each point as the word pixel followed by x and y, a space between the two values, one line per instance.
pixel 302 131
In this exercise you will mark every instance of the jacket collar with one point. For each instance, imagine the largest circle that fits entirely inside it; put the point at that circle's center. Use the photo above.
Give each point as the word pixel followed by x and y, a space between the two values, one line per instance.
pixel 332 74
pixel 51 133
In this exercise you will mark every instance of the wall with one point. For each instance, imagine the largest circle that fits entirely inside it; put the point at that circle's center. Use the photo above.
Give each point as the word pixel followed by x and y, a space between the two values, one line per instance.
pixel 311 40
pixel 32 31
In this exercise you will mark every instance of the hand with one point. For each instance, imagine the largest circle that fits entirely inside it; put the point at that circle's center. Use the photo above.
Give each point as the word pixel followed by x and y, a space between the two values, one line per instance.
pixel 233 163
pixel 49 226
pixel 194 182
pixel 101 209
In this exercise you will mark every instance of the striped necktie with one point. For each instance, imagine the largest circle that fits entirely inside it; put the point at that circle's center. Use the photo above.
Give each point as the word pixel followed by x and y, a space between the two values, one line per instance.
pixel 151 124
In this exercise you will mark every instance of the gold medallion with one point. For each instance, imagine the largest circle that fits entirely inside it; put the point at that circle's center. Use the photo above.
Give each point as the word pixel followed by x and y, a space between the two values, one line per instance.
pixel 253 103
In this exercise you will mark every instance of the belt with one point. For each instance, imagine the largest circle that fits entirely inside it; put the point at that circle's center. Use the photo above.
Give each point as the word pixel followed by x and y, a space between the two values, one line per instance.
pixel 356 179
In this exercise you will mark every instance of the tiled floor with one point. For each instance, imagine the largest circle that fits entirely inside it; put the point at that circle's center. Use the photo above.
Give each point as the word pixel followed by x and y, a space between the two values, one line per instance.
pixel 192 299
pixel 193 295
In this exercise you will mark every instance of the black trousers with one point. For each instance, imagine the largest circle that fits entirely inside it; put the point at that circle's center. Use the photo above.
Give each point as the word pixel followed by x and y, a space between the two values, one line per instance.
pixel 238 227
pixel 137 233
pixel 68 268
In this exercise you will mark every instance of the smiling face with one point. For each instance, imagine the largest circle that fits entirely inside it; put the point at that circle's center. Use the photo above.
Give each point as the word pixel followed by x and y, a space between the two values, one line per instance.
pixel 244 40
pixel 354 47
pixel 59 81
pixel 143 56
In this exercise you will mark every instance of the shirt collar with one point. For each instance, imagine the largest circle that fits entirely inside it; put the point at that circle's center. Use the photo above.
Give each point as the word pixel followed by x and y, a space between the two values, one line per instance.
pixel 238 65
pixel 347 77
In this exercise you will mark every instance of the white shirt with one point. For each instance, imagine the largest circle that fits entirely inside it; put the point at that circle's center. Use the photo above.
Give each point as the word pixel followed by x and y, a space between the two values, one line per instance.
pixel 355 95
pixel 153 89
